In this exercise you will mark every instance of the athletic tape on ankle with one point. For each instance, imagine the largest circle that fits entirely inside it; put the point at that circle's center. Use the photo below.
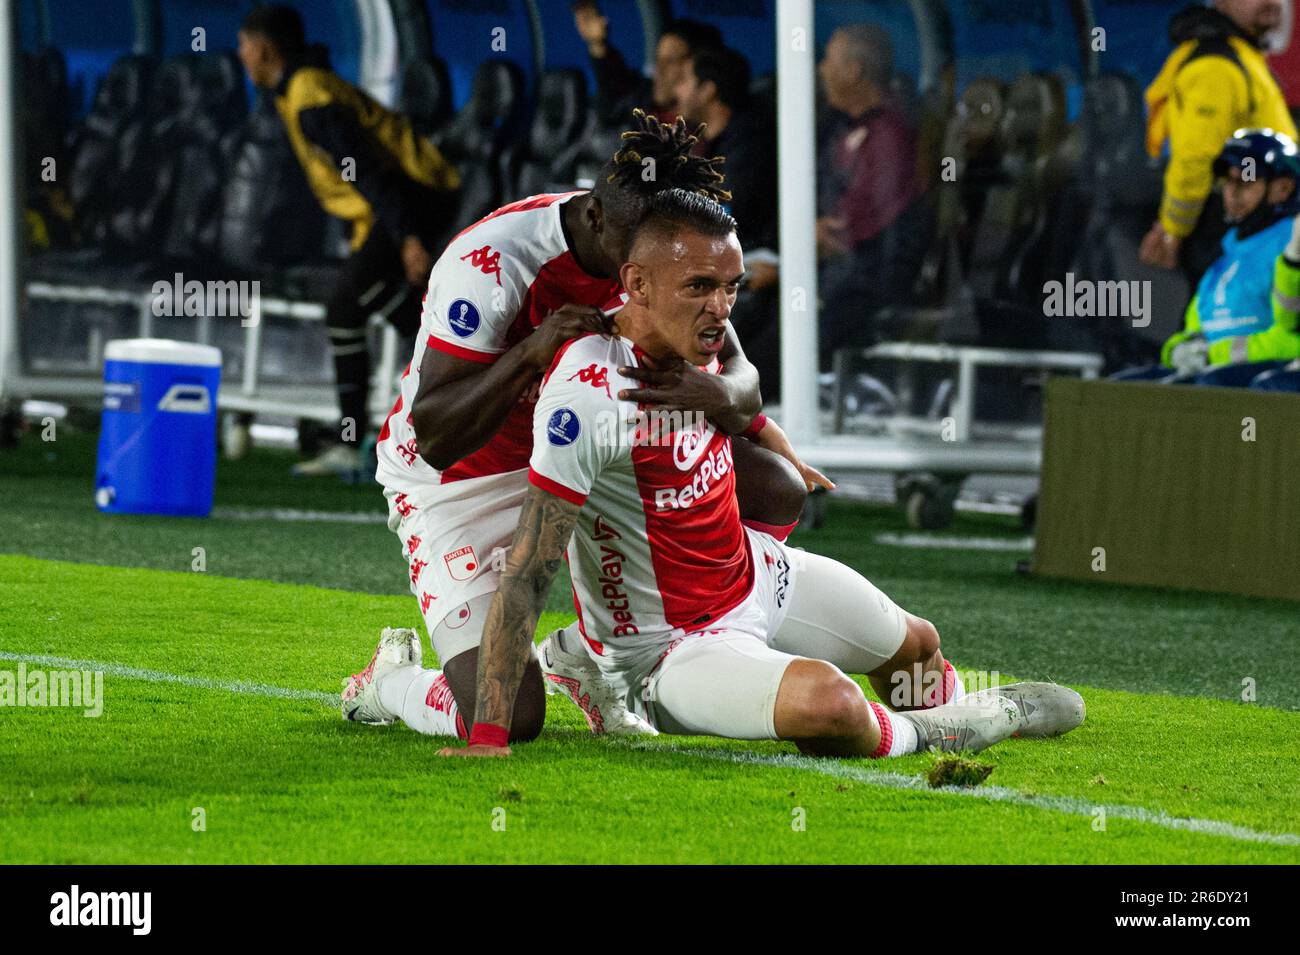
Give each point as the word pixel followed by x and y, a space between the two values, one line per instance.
pixel 488 734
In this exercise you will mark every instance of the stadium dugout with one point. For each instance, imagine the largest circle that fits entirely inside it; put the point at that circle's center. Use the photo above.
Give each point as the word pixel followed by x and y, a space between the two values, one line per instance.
pixel 169 169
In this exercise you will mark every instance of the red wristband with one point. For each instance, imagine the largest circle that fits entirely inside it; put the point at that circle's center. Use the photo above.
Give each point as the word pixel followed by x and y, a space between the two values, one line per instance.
pixel 488 734
pixel 755 426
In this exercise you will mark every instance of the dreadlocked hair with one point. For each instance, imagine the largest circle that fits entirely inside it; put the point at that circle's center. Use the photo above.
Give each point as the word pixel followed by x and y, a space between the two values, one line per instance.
pixel 668 147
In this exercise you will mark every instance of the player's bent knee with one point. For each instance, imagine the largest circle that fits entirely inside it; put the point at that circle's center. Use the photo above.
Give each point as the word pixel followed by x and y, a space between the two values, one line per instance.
pixel 924 635
pixel 823 703
pixel 844 709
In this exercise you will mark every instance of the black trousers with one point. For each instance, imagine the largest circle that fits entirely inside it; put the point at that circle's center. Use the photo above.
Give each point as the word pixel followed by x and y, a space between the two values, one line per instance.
pixel 373 281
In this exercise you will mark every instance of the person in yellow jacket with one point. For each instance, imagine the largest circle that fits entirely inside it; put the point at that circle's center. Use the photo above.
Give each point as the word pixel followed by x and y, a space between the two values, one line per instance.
pixel 1215 81
pixel 367 166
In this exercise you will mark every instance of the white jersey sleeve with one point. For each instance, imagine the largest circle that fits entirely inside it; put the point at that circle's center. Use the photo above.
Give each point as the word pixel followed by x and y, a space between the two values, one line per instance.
pixel 578 429
pixel 473 297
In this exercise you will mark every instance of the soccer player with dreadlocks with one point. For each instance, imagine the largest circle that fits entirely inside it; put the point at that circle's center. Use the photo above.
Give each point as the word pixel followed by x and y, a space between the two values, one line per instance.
pixel 503 299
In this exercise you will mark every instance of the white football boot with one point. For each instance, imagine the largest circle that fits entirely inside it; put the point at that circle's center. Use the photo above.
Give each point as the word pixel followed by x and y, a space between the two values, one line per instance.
pixel 1049 709
pixel 340 460
pixel 398 647
pixel 570 671
pixel 965 727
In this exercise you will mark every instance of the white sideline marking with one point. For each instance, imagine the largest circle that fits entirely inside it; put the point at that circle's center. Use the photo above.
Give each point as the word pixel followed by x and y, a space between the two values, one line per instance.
pixel 292 516
pixel 159 676
pixel 955 543
pixel 1066 805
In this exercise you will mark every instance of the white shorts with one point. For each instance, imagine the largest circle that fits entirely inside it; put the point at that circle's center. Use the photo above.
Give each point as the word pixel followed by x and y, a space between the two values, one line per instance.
pixel 723 681
pixel 449 534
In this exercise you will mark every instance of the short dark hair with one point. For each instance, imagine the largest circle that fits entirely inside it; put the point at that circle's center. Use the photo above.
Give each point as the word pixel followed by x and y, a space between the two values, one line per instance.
pixel 696 35
pixel 728 71
pixel 279 23
pixel 674 210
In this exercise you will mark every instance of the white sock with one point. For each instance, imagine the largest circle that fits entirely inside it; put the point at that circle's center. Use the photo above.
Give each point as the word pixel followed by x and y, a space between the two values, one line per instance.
pixel 422 700
pixel 897 733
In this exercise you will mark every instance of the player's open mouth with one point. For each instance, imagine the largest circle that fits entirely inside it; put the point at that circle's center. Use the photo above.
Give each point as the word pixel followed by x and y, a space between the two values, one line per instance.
pixel 712 339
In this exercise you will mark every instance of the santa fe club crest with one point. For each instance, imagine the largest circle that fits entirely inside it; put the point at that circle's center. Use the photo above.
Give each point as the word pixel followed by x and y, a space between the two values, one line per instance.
pixel 461 563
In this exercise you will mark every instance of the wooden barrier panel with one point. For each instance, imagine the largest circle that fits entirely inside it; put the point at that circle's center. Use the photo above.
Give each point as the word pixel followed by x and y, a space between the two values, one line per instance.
pixel 1171 486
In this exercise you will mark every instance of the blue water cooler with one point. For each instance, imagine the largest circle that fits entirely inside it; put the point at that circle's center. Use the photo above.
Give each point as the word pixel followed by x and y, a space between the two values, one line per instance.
pixel 158 437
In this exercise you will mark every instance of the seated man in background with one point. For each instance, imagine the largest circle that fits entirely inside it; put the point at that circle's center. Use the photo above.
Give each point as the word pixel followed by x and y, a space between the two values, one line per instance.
pixel 620 88
pixel 871 230
pixel 367 166
pixel 714 90
pixel 707 627
pixel 1247 304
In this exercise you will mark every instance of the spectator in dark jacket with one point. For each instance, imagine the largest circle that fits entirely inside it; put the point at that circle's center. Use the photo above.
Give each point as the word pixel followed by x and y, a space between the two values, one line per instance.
pixel 870 230
pixel 619 88
pixel 714 90
pixel 367 166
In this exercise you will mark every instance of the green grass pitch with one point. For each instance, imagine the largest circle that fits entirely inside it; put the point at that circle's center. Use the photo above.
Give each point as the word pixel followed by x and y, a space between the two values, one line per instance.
pixel 218 687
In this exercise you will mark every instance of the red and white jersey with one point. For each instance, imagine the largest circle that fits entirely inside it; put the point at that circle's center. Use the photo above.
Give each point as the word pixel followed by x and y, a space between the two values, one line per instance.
pixel 659 545
pixel 493 285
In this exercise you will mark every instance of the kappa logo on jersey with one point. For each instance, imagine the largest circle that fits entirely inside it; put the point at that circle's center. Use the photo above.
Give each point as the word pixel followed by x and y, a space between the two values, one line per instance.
pixel 486 261
pixel 782 580
pixel 463 318
pixel 597 379
pixel 689 446
pixel 403 506
pixel 563 428
pixel 461 563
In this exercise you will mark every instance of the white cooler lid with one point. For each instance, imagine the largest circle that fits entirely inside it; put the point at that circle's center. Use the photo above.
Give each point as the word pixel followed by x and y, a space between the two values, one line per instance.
pixel 162 351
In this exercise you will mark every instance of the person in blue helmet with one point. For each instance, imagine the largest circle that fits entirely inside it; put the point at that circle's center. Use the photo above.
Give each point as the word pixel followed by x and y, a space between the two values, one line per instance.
pixel 1245 316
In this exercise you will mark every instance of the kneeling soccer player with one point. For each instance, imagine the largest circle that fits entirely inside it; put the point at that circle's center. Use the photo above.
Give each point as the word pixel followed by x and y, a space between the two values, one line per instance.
pixel 502 299
pixel 707 627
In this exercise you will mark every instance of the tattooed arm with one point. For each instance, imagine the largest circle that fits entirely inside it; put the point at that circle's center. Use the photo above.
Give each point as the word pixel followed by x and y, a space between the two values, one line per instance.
pixel 545 525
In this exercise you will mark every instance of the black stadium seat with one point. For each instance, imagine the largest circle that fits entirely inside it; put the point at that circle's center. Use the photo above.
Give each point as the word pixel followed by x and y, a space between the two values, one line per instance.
pixel 269 216
pixel 426 94
pixel 591 154
pixel 544 161
pixel 477 138
pixel 108 145
pixel 44 117
pixel 1115 198
pixel 971 147
pixel 207 132
pixel 174 190
pixel 1012 223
